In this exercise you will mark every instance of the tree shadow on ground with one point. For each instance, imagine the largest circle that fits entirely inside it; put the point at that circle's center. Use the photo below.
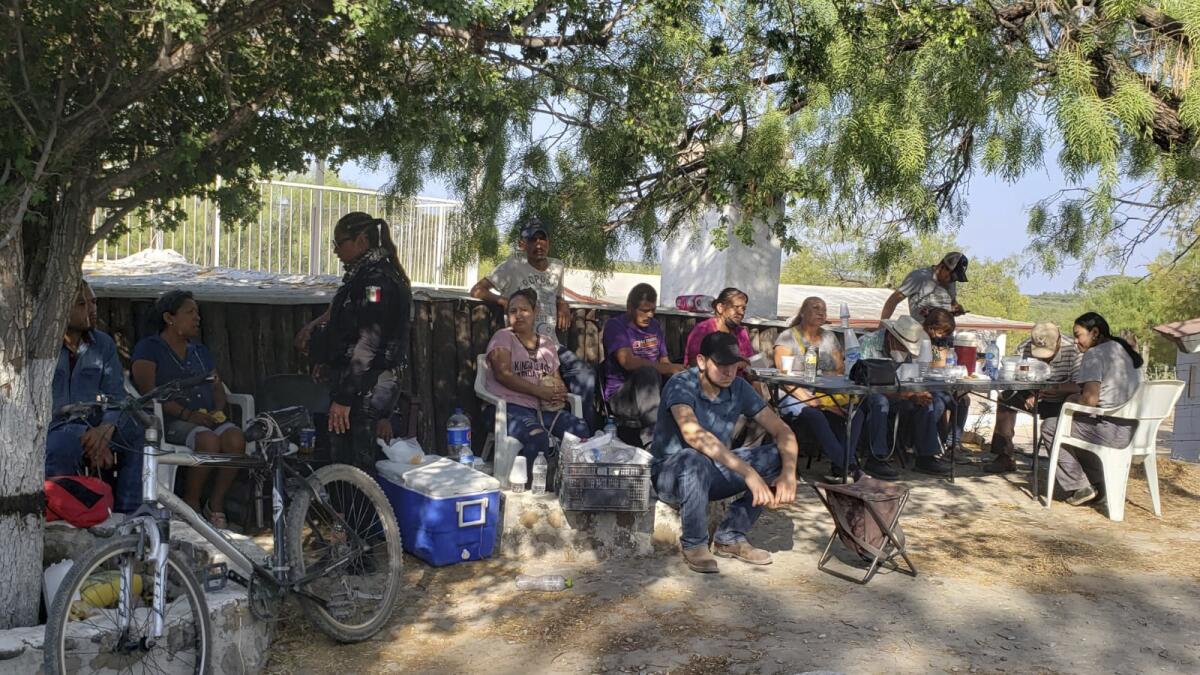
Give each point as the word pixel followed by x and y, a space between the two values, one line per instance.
pixel 1004 585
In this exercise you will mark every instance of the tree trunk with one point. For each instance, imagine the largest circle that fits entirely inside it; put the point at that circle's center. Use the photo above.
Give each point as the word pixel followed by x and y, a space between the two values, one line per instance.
pixel 34 299
pixel 24 407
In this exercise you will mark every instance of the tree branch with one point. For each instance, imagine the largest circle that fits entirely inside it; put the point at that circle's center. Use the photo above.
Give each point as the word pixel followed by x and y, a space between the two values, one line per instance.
pixel 233 124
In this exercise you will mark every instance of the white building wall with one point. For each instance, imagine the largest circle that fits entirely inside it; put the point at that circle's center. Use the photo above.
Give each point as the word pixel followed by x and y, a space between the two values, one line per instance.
pixel 692 265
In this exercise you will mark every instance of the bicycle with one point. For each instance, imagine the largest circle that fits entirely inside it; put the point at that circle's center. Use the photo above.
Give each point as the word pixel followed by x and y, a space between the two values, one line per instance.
pixel 133 603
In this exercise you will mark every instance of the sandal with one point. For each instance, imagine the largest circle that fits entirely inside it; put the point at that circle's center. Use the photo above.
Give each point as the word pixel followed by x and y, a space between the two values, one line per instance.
pixel 216 518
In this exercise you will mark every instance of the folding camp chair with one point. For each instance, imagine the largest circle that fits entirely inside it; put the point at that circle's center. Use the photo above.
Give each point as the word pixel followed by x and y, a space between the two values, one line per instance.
pixel 866 518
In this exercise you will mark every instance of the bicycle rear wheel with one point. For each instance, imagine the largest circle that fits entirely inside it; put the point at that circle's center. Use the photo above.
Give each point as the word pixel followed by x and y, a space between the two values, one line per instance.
pixel 349 543
pixel 84 634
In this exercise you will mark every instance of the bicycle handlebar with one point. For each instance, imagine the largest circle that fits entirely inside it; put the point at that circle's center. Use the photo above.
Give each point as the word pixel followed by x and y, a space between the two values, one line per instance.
pixel 134 405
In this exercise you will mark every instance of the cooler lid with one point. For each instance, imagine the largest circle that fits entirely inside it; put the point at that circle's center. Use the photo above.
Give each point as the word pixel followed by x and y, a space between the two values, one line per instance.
pixel 447 478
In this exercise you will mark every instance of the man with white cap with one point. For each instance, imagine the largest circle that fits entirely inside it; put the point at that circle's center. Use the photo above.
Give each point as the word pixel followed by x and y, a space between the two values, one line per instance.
pixel 1046 343
pixel 900 341
pixel 928 287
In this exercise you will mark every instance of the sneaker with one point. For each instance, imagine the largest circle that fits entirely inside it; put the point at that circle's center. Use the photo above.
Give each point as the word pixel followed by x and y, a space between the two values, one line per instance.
pixel 880 468
pixel 933 465
pixel 700 559
pixel 742 551
pixel 1002 464
pixel 1082 496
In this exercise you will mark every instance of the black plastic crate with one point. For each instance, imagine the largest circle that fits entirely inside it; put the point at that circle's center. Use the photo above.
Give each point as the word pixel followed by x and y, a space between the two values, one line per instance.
pixel 604 487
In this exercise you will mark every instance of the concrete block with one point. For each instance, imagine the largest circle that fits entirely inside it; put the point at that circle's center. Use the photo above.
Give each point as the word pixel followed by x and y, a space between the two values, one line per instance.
pixel 536 527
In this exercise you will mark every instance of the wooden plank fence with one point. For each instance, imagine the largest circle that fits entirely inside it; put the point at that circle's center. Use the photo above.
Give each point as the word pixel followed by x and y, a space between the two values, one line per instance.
pixel 252 341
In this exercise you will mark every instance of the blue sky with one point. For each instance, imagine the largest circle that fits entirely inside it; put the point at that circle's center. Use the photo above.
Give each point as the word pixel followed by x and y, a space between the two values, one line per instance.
pixel 993 228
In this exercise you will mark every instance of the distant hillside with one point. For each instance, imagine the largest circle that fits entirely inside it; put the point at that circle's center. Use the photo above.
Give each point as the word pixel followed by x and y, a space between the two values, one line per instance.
pixel 1061 308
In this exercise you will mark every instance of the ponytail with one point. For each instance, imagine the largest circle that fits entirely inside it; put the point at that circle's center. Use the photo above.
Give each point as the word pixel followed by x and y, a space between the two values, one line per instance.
pixel 378 234
pixel 1093 321
pixel 385 240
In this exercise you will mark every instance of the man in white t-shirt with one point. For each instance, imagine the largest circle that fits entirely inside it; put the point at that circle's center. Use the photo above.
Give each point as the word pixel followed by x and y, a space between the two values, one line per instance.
pixel 929 287
pixel 533 268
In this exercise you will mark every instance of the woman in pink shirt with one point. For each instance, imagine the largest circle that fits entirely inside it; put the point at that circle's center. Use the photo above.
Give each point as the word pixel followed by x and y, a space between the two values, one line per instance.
pixel 730 310
pixel 524 372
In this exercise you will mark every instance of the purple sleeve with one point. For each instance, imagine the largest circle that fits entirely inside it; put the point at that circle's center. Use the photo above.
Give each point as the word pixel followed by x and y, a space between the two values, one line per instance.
pixel 616 336
pixel 662 342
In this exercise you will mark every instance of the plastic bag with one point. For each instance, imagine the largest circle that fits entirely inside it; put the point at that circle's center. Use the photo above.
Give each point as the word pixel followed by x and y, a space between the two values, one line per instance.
pixel 403 450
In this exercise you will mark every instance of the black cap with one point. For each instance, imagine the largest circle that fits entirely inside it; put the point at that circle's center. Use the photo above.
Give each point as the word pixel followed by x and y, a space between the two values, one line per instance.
pixel 532 228
pixel 722 348
pixel 957 264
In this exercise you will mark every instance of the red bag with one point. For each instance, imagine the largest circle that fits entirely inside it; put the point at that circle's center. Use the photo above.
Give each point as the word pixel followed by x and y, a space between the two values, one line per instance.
pixel 82 501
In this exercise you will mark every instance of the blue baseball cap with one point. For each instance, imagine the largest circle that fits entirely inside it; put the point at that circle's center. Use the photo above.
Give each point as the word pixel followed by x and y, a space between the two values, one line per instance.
pixel 533 228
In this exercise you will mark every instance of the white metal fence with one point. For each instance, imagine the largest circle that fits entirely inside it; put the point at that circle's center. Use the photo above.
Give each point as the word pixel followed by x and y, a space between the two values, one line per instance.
pixel 294 231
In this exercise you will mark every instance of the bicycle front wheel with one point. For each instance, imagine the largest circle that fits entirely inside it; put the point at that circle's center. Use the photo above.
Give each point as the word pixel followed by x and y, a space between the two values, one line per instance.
pixel 86 634
pixel 345 550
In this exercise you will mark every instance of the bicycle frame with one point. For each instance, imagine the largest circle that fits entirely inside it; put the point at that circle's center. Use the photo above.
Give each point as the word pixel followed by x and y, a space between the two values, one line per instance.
pixel 154 523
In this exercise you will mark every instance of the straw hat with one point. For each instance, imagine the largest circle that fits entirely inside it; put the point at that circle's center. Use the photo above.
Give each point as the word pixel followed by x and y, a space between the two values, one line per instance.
pixel 908 331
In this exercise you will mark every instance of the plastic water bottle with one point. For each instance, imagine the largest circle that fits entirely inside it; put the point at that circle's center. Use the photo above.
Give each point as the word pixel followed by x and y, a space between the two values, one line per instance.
pixel 458 437
pixel 991 362
pixel 850 341
pixel 951 358
pixel 544 582
pixel 540 468
pixel 694 303
pixel 610 427
pixel 811 358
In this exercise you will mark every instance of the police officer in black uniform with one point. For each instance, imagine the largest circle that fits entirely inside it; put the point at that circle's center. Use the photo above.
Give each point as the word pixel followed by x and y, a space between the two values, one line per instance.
pixel 361 342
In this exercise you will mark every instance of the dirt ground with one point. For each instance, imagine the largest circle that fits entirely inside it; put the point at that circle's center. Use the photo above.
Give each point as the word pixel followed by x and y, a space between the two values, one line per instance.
pixel 1003 585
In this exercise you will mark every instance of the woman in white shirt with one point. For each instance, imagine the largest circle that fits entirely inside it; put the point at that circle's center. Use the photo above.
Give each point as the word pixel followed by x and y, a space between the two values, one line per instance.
pixel 820 414
pixel 1108 377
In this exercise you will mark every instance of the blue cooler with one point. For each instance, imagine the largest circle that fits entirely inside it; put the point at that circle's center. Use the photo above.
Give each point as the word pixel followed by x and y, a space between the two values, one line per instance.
pixel 448 512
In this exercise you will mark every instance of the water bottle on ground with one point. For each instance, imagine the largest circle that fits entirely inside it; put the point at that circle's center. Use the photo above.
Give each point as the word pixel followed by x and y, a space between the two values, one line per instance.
pixel 991 362
pixel 850 341
pixel 458 437
pixel 544 582
pixel 540 468
pixel 811 358
pixel 694 303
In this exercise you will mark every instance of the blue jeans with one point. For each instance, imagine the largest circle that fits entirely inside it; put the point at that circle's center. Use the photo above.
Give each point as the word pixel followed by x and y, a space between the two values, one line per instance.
pixel 689 480
pixel 960 407
pixel 920 422
pixel 523 425
pixel 828 428
pixel 64 456
pixel 580 379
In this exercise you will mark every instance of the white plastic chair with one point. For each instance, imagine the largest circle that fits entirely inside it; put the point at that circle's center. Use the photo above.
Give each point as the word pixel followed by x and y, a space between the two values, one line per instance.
pixel 1152 402
pixel 166 472
pixel 505 447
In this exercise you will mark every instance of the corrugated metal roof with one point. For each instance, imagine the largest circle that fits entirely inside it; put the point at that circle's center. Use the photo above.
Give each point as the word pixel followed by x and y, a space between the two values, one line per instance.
pixel 865 304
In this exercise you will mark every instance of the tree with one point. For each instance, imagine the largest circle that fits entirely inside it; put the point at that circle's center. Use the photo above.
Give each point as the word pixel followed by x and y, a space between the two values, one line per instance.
pixel 858 115
pixel 118 106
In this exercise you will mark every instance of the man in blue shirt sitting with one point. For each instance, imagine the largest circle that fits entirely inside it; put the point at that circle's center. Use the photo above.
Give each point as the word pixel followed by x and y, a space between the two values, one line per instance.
pixel 88 366
pixel 693 463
